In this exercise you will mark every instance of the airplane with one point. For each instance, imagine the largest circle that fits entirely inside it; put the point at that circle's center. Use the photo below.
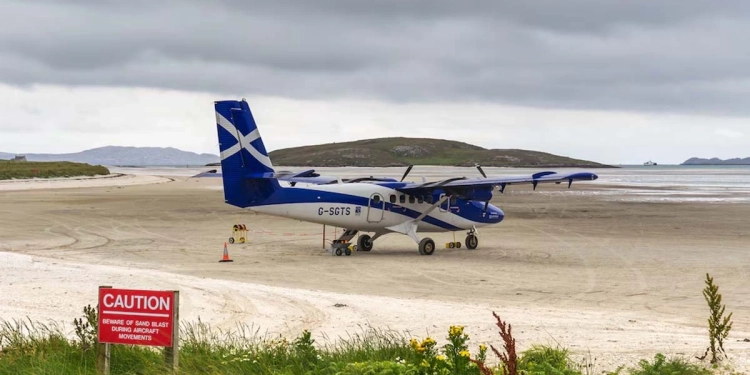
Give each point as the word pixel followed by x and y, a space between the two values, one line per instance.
pixel 373 205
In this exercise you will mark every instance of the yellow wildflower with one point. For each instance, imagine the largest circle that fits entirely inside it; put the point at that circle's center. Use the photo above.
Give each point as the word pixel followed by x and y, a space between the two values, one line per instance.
pixel 464 353
pixel 482 347
pixel 441 358
pixel 456 331
pixel 428 342
pixel 414 343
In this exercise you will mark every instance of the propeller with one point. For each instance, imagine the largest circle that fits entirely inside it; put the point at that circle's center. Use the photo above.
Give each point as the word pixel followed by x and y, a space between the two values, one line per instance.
pixel 407 172
pixel 480 170
pixel 486 203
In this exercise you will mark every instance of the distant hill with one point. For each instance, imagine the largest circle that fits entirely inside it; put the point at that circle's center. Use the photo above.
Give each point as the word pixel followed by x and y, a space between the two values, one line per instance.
pixel 386 152
pixel 717 161
pixel 122 156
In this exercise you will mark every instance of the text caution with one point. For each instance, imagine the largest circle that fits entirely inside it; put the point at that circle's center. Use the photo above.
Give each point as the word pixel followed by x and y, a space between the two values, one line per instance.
pixel 136 317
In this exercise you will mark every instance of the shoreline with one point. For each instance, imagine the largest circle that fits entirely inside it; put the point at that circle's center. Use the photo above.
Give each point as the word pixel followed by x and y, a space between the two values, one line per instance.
pixel 110 180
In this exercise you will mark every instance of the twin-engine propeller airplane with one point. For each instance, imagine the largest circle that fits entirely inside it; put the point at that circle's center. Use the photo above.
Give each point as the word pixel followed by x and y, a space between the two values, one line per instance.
pixel 375 205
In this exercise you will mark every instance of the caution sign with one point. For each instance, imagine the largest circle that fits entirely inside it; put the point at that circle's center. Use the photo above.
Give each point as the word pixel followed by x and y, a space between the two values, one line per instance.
pixel 136 317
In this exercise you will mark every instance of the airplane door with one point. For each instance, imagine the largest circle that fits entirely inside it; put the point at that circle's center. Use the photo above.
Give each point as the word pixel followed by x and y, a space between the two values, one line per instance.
pixel 375 208
pixel 444 205
pixel 448 206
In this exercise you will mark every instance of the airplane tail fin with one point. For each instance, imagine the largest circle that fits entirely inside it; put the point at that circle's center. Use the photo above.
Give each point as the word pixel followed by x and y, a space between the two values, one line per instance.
pixel 247 171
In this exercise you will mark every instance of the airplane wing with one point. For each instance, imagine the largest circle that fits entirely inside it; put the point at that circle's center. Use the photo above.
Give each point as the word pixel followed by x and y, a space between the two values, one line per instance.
pixel 456 185
pixel 459 184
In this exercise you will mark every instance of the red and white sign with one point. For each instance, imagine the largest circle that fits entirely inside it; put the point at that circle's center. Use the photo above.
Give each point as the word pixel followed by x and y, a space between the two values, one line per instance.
pixel 136 317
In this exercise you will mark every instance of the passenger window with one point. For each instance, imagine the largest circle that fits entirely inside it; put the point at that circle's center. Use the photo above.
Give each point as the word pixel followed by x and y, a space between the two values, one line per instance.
pixel 393 198
pixel 420 199
pixel 376 199
pixel 402 198
pixel 411 199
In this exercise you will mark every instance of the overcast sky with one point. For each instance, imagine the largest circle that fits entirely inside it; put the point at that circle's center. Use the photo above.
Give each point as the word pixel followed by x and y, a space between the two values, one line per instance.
pixel 610 81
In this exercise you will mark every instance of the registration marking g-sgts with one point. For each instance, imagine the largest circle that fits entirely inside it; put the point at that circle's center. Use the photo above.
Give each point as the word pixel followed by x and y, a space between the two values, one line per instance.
pixel 334 211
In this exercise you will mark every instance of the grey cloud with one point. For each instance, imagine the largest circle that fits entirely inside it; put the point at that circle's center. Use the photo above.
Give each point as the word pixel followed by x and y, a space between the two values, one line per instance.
pixel 677 56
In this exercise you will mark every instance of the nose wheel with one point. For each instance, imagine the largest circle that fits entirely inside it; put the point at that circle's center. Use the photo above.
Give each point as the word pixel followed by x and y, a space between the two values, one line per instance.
pixel 472 241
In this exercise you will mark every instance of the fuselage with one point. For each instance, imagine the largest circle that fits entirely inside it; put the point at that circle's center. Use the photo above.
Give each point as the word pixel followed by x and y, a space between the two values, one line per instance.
pixel 373 207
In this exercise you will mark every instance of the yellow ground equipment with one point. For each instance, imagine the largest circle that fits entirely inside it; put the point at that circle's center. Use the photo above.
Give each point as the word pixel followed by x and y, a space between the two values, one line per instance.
pixel 239 233
pixel 343 247
pixel 453 245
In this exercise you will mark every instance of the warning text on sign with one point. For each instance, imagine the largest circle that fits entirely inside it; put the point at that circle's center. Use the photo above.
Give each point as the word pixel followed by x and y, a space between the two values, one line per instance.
pixel 136 317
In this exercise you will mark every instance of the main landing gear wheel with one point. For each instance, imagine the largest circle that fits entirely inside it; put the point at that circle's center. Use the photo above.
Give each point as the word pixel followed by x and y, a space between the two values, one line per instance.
pixel 231 239
pixel 472 241
pixel 426 246
pixel 364 243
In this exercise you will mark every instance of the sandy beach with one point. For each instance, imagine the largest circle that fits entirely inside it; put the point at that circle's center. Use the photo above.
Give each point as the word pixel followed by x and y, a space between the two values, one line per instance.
pixel 588 268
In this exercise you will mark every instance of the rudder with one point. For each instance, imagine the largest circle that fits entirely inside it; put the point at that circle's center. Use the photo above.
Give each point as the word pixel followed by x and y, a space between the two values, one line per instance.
pixel 247 171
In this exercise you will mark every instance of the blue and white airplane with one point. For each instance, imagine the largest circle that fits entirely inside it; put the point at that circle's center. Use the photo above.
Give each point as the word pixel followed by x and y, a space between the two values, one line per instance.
pixel 375 205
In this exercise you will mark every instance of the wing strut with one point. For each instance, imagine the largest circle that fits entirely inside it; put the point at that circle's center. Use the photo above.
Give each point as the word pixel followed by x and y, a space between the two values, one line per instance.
pixel 409 227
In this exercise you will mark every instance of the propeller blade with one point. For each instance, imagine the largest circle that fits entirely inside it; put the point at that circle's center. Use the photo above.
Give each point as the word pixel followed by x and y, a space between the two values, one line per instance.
pixel 480 170
pixel 486 204
pixel 407 172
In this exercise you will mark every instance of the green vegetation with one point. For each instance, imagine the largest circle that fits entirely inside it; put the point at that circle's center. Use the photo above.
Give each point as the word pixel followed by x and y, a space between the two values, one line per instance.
pixel 718 324
pixel 388 152
pixel 661 365
pixel 29 348
pixel 30 169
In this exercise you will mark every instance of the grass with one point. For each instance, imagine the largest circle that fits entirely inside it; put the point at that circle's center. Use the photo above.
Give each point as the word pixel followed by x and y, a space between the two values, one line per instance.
pixel 33 348
pixel 384 152
pixel 18 170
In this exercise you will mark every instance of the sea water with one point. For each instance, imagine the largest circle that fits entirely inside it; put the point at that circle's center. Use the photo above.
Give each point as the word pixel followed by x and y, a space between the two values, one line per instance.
pixel 662 183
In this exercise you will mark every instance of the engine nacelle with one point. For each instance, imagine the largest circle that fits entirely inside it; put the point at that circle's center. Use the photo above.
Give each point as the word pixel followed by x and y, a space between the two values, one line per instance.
pixel 477 194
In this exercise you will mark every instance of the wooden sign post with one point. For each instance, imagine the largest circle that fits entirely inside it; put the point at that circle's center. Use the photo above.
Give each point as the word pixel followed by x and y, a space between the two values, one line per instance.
pixel 103 350
pixel 138 317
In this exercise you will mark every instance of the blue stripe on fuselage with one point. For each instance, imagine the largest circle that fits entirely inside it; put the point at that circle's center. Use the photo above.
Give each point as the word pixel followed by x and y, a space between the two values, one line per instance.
pixel 472 211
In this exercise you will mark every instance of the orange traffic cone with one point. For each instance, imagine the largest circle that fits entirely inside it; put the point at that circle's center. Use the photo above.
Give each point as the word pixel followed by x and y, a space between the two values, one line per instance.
pixel 225 258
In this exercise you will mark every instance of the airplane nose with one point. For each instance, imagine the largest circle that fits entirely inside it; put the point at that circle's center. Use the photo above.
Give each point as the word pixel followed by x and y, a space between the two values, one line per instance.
pixel 500 215
pixel 496 215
